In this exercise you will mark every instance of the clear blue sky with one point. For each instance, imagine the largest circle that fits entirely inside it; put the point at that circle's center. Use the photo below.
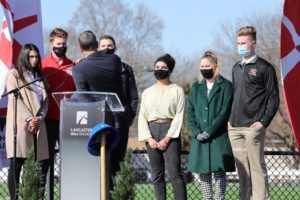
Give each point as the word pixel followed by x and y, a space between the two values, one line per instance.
pixel 189 25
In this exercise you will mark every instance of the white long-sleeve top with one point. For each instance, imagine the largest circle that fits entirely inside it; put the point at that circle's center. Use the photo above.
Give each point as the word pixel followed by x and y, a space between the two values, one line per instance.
pixel 160 103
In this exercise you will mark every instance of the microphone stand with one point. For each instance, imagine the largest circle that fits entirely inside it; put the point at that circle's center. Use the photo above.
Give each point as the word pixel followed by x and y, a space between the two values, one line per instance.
pixel 15 125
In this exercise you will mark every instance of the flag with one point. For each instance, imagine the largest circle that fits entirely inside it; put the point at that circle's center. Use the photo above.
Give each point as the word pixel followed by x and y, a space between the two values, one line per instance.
pixel 22 24
pixel 290 63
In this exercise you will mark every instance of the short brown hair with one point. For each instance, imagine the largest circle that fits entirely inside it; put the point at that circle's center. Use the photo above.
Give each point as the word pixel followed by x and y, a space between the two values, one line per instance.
pixel 58 32
pixel 247 31
pixel 88 41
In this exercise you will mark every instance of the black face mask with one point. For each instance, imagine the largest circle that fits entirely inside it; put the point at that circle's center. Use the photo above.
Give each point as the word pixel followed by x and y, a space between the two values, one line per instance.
pixel 107 51
pixel 60 51
pixel 207 73
pixel 161 74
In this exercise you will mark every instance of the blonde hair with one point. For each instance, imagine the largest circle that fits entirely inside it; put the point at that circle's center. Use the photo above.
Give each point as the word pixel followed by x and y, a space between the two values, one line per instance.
pixel 213 58
pixel 247 31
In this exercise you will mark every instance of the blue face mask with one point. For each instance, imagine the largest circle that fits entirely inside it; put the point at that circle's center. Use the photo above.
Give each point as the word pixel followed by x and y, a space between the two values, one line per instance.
pixel 243 51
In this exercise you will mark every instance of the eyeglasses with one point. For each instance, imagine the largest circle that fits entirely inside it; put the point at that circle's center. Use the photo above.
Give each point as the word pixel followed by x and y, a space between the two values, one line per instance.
pixel 31 56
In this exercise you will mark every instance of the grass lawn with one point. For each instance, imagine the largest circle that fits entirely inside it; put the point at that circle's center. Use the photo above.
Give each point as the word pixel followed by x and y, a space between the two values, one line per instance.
pixel 146 192
pixel 4 194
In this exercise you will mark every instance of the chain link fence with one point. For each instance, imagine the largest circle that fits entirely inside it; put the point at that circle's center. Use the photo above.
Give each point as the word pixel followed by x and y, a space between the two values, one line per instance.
pixel 283 170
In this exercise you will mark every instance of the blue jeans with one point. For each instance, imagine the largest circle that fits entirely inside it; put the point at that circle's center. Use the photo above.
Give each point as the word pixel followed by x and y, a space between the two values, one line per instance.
pixel 171 158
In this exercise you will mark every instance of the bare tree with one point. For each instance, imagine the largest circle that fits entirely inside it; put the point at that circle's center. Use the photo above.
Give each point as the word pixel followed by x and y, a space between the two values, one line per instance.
pixel 268 47
pixel 137 31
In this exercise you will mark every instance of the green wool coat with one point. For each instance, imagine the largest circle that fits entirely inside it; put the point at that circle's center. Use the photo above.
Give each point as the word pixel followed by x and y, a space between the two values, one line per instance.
pixel 210 114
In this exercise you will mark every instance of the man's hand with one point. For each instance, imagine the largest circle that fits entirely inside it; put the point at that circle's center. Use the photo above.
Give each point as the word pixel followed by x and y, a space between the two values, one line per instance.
pixel 78 60
pixel 258 126
pixel 229 125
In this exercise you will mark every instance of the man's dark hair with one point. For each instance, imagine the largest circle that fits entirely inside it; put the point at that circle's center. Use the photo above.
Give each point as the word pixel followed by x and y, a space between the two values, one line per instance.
pixel 108 37
pixel 88 41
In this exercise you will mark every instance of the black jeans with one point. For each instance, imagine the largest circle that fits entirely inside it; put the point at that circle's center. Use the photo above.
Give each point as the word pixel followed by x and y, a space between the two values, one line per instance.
pixel 117 155
pixel 171 158
pixel 13 179
pixel 53 137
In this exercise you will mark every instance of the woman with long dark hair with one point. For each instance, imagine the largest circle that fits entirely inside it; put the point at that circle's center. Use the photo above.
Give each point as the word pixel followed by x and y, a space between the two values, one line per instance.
pixel 31 109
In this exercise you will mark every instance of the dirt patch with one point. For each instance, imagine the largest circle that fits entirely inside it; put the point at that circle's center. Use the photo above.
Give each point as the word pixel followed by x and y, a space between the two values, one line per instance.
pixel 133 143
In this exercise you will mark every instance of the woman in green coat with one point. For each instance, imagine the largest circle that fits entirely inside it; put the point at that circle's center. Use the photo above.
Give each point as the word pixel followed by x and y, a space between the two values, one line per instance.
pixel 209 107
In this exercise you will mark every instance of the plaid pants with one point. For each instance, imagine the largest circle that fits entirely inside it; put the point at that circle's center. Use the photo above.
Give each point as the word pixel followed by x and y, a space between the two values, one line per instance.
pixel 220 184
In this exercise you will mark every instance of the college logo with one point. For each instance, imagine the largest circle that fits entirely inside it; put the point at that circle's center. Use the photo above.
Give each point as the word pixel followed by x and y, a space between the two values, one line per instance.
pixel 252 71
pixel 81 117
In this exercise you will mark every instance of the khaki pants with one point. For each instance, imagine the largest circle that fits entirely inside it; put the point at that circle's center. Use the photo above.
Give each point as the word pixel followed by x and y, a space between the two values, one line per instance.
pixel 248 149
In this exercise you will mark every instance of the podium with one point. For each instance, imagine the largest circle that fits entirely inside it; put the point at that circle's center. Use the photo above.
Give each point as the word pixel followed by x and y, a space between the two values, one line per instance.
pixel 79 112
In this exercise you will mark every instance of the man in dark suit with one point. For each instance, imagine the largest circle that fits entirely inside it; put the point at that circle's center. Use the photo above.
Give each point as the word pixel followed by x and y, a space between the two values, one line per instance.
pixel 101 73
pixel 107 45
pixel 97 72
